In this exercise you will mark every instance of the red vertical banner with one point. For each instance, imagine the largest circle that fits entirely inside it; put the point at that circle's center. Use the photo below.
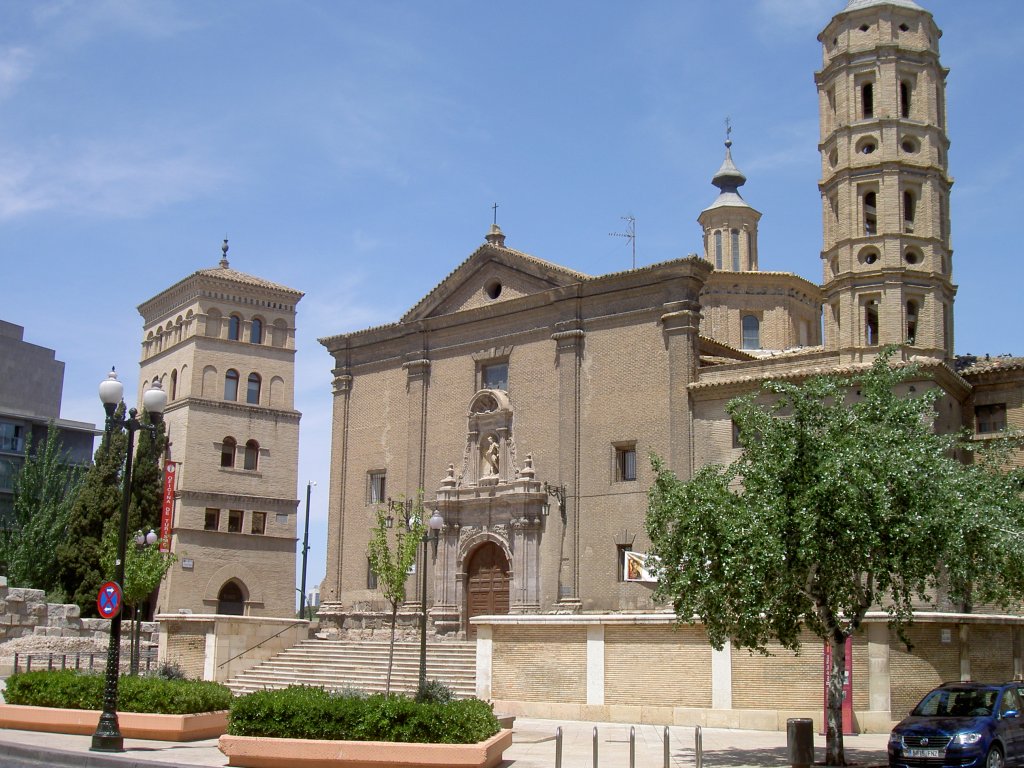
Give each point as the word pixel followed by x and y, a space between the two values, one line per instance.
pixel 847 686
pixel 167 512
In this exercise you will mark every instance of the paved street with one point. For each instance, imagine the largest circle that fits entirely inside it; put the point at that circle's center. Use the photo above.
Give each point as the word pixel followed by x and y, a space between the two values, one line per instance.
pixel 533 747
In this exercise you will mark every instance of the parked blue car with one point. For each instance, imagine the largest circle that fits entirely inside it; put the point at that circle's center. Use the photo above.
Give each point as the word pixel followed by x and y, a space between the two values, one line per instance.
pixel 962 725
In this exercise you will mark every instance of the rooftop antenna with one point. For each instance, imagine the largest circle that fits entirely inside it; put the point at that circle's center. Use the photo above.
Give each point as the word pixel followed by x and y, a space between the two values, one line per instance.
pixel 629 234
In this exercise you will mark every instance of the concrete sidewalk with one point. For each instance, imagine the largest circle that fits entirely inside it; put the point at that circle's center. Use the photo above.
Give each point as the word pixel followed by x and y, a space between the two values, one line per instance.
pixel 533 746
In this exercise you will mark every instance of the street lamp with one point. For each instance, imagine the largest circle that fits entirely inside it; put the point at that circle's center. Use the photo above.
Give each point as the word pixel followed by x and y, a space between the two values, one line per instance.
pixel 432 534
pixel 107 737
pixel 305 552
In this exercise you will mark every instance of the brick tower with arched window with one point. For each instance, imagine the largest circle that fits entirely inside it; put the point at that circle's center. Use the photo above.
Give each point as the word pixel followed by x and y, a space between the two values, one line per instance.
pixel 223 344
pixel 885 185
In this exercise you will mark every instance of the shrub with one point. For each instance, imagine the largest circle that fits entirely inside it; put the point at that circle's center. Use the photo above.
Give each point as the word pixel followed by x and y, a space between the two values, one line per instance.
pixel 434 691
pixel 69 689
pixel 302 712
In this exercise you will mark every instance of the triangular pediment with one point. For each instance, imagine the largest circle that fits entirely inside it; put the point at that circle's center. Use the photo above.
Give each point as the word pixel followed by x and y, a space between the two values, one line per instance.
pixel 491 274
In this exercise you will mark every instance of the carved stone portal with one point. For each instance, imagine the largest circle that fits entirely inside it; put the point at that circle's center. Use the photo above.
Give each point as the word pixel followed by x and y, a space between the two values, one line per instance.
pixel 490 504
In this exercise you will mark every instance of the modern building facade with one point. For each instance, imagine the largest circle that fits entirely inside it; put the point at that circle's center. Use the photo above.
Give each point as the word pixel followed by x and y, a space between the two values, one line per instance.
pixel 31 388
pixel 222 343
pixel 523 399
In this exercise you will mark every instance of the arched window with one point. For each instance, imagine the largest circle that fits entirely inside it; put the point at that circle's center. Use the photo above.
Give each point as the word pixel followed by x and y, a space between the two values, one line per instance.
pixel 718 249
pixel 870 214
pixel 174 384
pixel 909 210
pixel 252 455
pixel 230 600
pixel 871 323
pixel 911 322
pixel 905 96
pixel 867 100
pixel 256 331
pixel 735 243
pixel 235 328
pixel 227 452
pixel 252 392
pixel 231 385
pixel 751 332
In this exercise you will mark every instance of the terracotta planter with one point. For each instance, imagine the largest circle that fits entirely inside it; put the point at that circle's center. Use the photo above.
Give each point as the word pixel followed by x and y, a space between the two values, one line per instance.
pixel 133 725
pixel 259 752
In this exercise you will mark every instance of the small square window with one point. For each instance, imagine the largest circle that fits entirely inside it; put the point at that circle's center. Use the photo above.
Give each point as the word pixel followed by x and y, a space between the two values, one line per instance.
pixel 376 486
pixel 990 418
pixel 259 522
pixel 282 518
pixel 235 517
pixel 212 522
pixel 494 376
pixel 625 463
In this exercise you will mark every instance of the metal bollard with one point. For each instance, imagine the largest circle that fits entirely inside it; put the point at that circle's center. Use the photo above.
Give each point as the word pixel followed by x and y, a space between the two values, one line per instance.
pixel 668 752
pixel 632 747
pixel 595 746
pixel 15 662
pixel 558 747
pixel 698 747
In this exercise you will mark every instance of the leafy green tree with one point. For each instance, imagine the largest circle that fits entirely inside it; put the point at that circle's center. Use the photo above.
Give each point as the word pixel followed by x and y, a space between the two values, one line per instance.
pixel 45 488
pixel 843 499
pixel 392 564
pixel 144 568
pixel 98 501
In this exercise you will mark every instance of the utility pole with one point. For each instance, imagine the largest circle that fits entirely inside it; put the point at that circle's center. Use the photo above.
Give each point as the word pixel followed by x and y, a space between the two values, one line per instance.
pixel 305 553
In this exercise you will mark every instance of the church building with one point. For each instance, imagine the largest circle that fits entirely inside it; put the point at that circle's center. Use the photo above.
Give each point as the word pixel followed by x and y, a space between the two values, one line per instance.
pixel 523 399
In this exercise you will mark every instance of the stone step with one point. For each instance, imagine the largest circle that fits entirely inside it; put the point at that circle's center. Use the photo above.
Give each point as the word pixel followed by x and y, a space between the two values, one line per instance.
pixel 339 664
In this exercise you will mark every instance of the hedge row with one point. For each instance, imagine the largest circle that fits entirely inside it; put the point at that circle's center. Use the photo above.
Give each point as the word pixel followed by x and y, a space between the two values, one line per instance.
pixel 313 713
pixel 70 689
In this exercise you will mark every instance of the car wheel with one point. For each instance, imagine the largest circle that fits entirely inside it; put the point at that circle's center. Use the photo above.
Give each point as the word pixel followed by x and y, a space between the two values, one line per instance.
pixel 994 758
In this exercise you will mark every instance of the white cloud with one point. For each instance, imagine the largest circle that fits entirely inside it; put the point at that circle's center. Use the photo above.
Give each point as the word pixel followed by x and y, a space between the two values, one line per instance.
pixel 798 14
pixel 110 178
pixel 16 64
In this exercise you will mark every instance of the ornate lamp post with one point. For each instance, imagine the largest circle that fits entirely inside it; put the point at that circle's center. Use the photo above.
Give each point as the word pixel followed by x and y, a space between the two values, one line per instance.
pixel 432 534
pixel 107 737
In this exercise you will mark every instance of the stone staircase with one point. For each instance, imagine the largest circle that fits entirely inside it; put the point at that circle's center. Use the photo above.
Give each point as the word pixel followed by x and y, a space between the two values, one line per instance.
pixel 363 665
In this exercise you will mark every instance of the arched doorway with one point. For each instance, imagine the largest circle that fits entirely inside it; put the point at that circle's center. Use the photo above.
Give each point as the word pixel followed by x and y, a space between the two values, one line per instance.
pixel 487 584
pixel 230 600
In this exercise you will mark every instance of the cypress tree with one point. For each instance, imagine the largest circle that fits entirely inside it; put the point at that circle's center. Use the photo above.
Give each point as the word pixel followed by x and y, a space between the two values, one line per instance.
pixel 98 502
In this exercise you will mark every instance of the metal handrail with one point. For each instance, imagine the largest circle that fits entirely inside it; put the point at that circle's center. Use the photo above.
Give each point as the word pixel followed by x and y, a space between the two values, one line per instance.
pixel 261 642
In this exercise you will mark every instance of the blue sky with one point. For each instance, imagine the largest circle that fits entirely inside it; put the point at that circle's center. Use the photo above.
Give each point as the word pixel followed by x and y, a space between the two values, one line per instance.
pixel 353 150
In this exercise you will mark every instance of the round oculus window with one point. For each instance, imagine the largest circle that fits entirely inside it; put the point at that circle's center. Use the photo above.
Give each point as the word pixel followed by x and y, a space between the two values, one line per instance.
pixel 493 289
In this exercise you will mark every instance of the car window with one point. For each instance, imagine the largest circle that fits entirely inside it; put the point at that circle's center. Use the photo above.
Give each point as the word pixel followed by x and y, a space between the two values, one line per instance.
pixel 953 702
pixel 1009 702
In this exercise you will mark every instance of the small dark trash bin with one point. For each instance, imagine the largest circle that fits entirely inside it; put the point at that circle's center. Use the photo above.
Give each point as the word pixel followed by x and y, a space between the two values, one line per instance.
pixel 800 741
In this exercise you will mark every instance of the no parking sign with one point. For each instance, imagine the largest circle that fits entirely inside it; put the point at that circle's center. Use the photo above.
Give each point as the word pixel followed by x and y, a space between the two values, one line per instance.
pixel 109 600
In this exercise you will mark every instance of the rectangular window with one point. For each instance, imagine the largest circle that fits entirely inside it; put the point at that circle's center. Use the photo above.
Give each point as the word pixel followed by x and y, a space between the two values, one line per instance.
pixel 371 575
pixel 259 522
pixel 494 376
pixel 990 418
pixel 620 553
pixel 212 521
pixel 11 437
pixel 625 463
pixel 235 517
pixel 376 485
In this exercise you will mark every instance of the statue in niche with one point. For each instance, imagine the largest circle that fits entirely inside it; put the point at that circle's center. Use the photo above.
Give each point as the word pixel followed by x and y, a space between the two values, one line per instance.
pixel 491 455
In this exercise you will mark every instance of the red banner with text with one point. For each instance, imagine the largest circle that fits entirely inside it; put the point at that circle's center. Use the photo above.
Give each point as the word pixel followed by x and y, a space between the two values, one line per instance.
pixel 167 513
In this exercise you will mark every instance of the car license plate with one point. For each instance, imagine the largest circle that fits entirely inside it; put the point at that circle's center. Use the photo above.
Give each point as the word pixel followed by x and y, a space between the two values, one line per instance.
pixel 935 754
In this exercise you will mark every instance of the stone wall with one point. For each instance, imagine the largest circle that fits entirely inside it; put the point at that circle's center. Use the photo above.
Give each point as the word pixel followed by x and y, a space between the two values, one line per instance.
pixel 25 613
